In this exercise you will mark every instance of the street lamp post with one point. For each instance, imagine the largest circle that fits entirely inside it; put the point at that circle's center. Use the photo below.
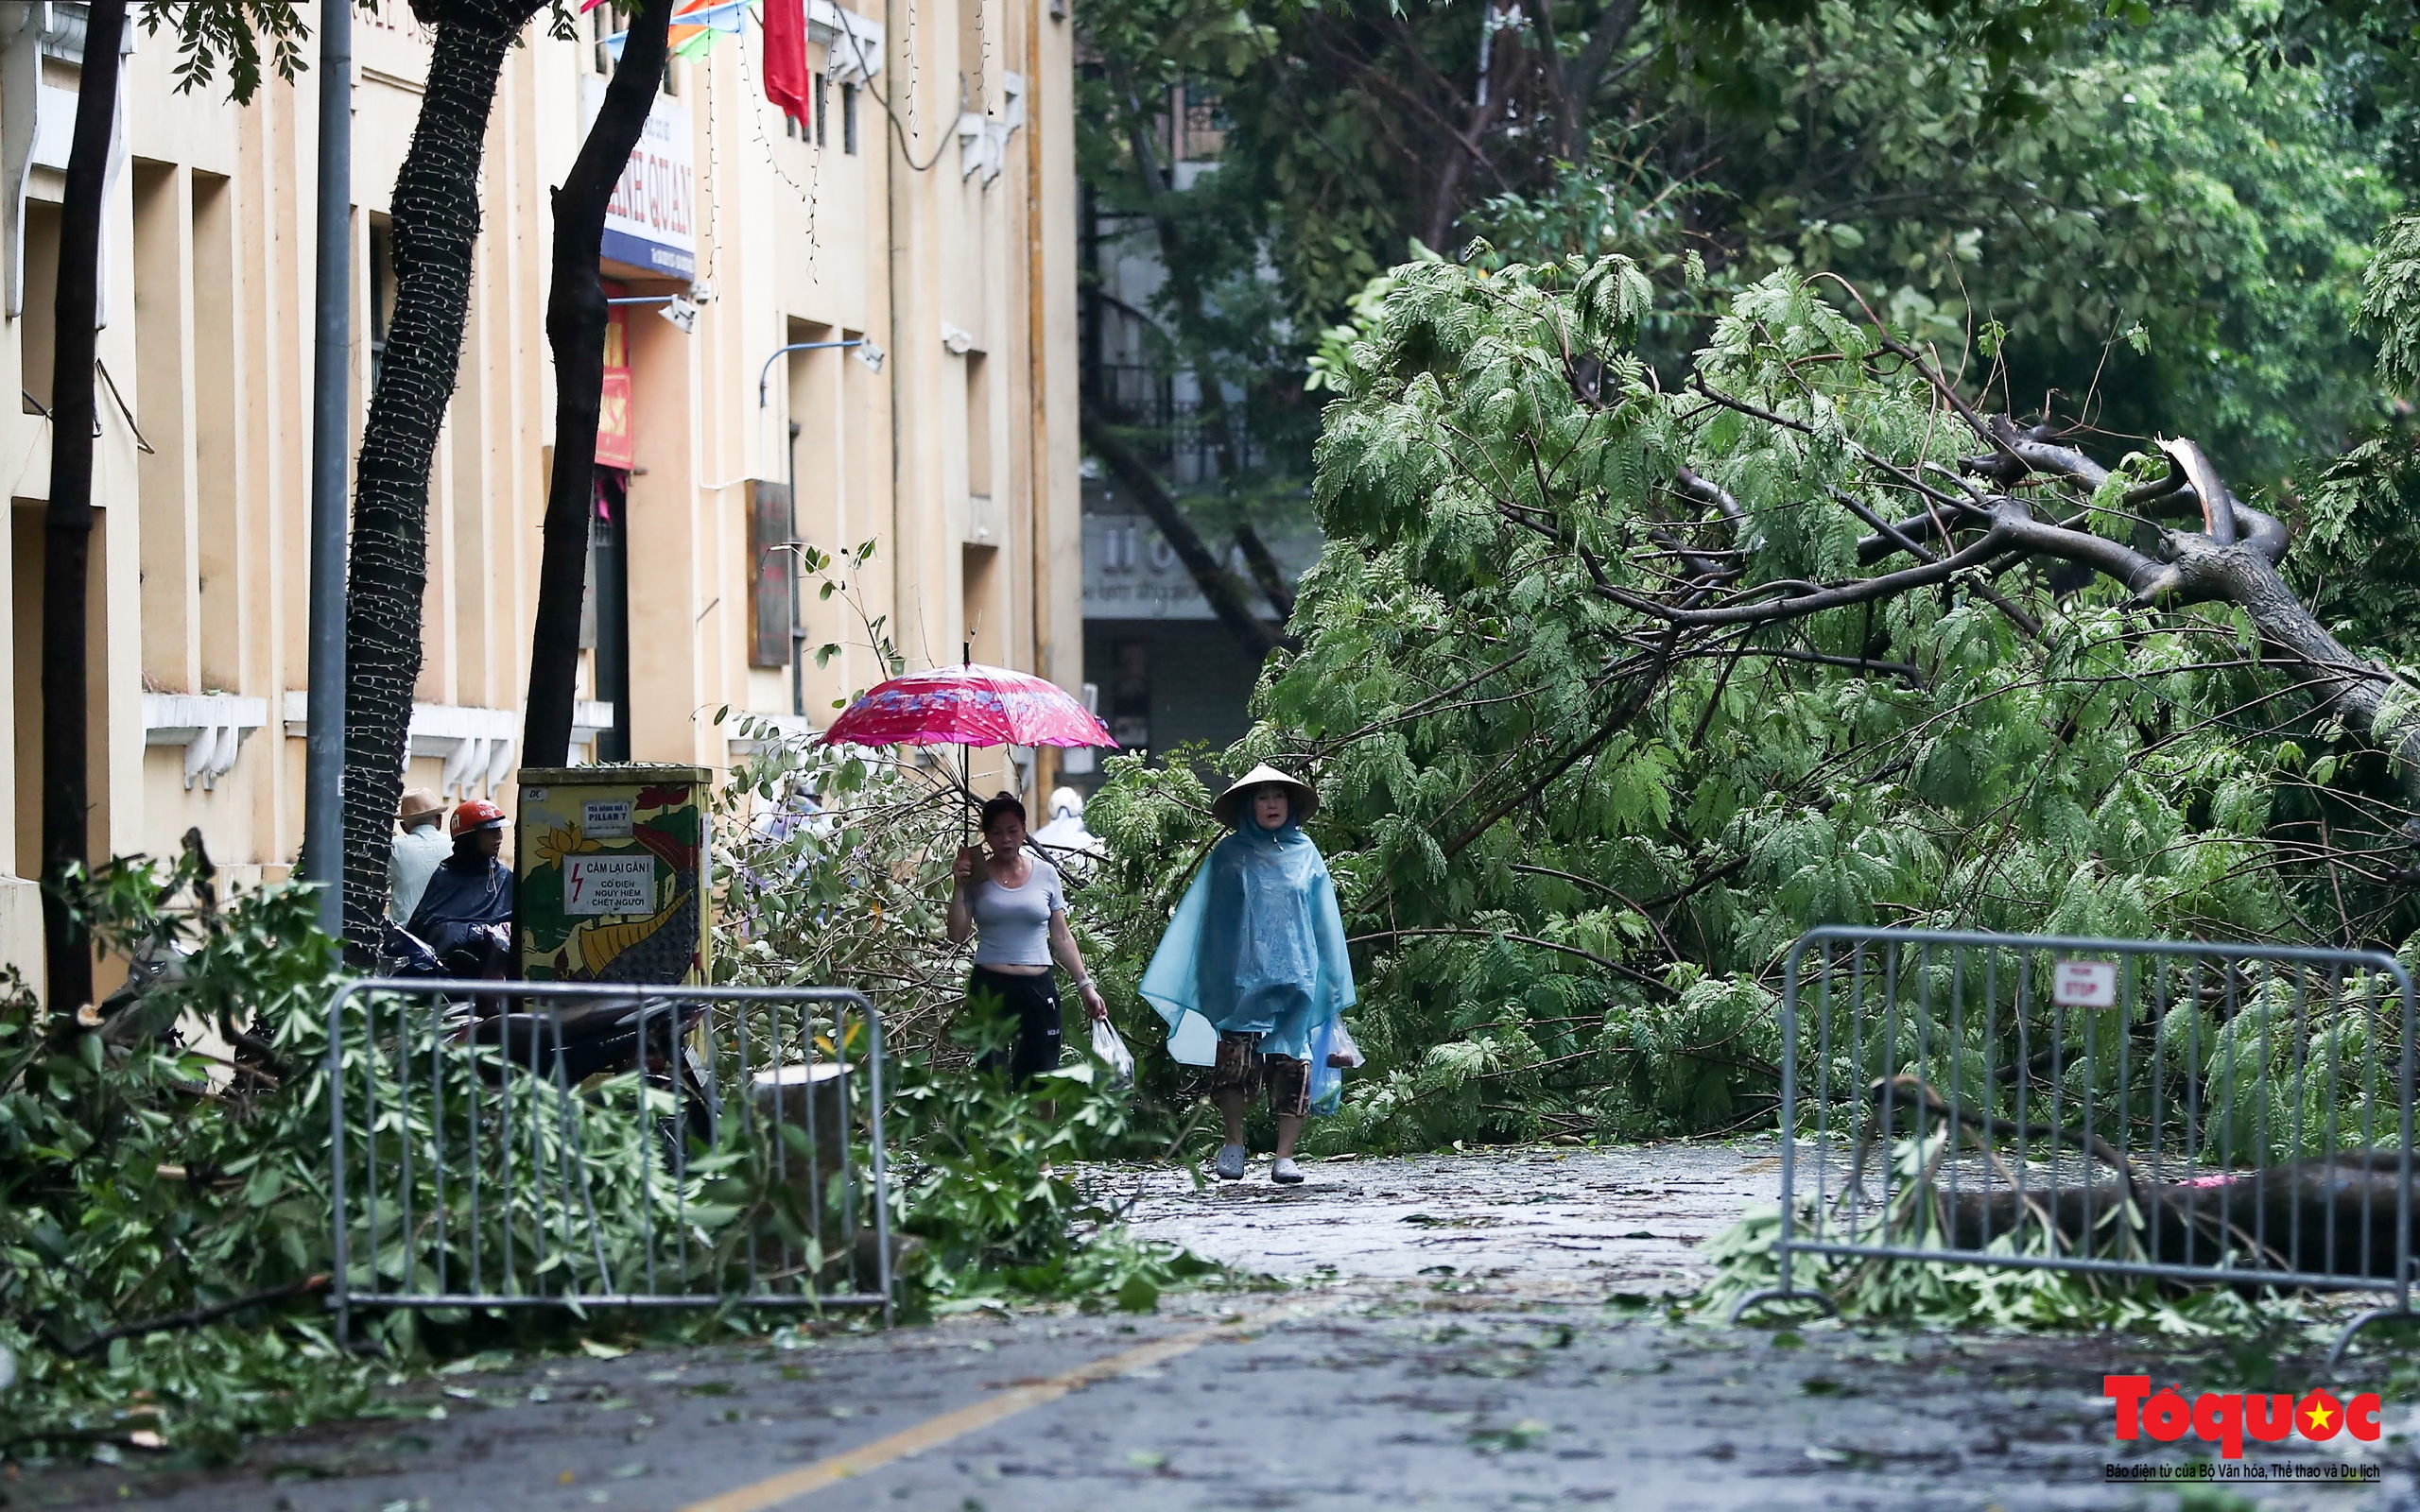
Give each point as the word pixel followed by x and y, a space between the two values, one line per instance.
pixel 331 431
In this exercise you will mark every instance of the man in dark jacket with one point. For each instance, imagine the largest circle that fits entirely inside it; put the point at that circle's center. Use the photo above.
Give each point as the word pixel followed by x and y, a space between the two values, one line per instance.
pixel 471 887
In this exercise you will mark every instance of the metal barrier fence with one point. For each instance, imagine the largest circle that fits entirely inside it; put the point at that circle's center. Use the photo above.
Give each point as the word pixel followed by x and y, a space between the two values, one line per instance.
pixel 502 1145
pixel 2209 1114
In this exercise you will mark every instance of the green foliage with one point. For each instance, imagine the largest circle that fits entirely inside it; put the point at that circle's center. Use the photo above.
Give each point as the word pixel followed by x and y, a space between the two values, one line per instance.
pixel 2104 199
pixel 212 32
pixel 2359 542
pixel 988 1183
pixel 2147 185
pixel 1937 1295
pixel 2391 303
pixel 140 1179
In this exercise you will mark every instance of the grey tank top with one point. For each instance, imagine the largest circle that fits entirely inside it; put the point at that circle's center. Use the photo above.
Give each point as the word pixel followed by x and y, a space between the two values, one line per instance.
pixel 1012 924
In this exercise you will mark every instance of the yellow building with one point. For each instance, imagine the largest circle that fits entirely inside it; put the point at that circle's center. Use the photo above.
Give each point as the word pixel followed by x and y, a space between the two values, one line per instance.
pixel 928 213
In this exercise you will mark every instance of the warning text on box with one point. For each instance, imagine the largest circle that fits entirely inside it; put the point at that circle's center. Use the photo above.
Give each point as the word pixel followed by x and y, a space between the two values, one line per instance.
pixel 609 884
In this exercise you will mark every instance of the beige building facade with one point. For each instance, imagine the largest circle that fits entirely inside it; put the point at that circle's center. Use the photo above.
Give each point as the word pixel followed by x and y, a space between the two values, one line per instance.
pixel 914 242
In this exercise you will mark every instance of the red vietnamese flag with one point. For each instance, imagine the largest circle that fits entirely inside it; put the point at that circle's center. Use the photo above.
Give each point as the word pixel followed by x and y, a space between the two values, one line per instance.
pixel 786 80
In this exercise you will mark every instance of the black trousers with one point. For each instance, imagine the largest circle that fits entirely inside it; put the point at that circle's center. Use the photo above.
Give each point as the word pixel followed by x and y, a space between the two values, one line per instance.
pixel 1034 1000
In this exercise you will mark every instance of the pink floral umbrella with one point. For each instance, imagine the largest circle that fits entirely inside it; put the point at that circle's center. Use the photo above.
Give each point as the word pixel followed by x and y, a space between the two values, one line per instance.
pixel 967 705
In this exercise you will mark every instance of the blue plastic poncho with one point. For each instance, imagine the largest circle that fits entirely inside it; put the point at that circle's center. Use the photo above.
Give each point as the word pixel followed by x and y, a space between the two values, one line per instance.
pixel 1257 947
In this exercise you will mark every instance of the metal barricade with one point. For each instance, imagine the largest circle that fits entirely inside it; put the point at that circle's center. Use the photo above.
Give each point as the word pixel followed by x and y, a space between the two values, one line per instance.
pixel 504 1144
pixel 2221 1114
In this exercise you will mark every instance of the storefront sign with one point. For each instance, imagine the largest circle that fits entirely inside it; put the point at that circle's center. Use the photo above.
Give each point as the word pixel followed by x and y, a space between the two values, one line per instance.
pixel 613 403
pixel 650 223
pixel 1131 573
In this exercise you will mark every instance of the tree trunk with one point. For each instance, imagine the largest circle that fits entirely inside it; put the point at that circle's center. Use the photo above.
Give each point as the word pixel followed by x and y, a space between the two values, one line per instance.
pixel 576 324
pixel 435 226
pixel 1266 572
pixel 2232 560
pixel 1218 585
pixel 67 520
pixel 1185 289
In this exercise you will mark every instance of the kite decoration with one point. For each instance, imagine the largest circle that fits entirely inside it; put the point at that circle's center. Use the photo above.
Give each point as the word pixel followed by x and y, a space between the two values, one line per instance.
pixel 696 27
pixel 698 24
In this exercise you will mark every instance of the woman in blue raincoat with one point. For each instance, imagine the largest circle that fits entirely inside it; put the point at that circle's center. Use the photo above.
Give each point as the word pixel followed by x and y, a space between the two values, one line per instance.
pixel 1257 954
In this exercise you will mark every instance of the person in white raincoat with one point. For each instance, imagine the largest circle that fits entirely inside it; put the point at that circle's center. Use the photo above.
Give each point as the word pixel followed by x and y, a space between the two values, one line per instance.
pixel 1070 846
pixel 1257 950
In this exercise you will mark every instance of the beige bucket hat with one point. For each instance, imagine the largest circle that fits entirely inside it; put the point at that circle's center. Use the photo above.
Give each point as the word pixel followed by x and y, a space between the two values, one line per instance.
pixel 1307 802
pixel 418 803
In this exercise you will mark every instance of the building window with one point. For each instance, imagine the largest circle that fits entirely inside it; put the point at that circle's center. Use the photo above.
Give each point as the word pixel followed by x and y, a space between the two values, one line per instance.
pixel 822 110
pixel 849 119
pixel 381 290
pixel 978 426
pixel 600 27
pixel 1199 124
pixel 1129 696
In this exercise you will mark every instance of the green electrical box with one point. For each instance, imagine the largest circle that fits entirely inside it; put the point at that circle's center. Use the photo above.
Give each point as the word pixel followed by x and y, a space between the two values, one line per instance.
pixel 615 869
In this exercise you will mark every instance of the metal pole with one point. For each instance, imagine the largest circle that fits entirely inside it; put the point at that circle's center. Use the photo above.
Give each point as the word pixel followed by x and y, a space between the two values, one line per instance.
pixel 798 625
pixel 331 431
pixel 764 375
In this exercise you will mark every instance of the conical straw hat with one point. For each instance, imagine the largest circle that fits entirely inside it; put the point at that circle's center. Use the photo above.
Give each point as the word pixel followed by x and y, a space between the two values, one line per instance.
pixel 1307 802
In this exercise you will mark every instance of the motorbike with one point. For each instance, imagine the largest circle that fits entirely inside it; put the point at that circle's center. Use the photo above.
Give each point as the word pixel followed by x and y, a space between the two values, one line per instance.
pixel 468 952
pixel 571 1039
pixel 607 1035
pixel 564 1040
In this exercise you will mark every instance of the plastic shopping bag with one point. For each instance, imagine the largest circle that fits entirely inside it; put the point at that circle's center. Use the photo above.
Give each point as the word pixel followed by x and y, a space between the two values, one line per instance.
pixel 1341 1052
pixel 1329 1046
pixel 1109 1049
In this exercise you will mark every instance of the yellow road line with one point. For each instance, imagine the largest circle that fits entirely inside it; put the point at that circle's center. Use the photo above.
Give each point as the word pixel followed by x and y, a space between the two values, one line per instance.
pixel 934 1432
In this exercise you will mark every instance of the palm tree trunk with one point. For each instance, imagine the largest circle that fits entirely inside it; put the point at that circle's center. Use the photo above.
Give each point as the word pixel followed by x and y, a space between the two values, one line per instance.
pixel 67 520
pixel 576 323
pixel 435 226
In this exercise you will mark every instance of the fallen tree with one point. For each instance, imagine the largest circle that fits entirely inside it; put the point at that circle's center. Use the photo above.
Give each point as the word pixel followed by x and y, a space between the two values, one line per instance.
pixel 2337 1215
pixel 1617 678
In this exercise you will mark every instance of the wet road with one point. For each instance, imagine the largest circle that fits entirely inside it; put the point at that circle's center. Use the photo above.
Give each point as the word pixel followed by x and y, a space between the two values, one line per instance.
pixel 1479 1332
pixel 1544 1222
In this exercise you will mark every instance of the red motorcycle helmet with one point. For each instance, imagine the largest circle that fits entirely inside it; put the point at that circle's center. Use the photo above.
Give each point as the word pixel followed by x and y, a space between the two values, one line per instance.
pixel 475 815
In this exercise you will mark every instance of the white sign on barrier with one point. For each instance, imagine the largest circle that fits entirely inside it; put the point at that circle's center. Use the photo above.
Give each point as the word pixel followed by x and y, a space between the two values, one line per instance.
pixel 2084 983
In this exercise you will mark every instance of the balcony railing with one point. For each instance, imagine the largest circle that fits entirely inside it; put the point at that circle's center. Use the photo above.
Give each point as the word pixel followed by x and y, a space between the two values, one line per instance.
pixel 1172 434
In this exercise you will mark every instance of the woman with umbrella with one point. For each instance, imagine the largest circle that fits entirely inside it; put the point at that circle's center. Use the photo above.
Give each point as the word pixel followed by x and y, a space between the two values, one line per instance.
pixel 1010 899
pixel 1257 949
